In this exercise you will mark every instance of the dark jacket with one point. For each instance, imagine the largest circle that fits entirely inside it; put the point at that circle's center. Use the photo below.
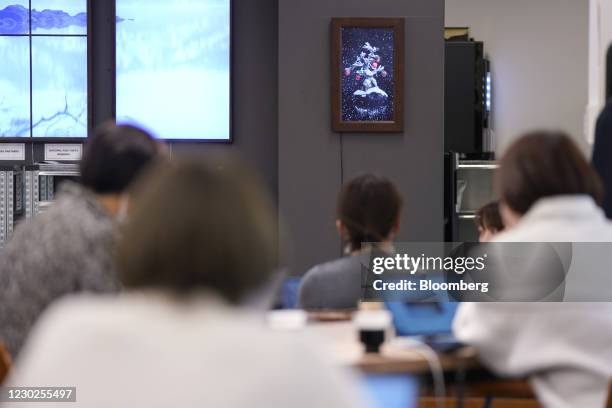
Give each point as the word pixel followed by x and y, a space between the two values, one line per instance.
pixel 67 249
pixel 602 154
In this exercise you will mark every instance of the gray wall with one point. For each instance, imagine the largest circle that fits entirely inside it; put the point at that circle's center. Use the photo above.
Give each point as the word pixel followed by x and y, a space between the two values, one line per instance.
pixel 539 59
pixel 313 161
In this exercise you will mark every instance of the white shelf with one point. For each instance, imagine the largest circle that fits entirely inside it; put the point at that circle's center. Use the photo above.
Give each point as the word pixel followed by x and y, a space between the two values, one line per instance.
pixel 478 165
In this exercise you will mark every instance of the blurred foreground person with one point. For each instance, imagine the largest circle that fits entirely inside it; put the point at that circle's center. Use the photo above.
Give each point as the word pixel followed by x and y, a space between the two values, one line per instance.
pixel 489 221
pixel 549 193
pixel 70 247
pixel 201 240
pixel 369 209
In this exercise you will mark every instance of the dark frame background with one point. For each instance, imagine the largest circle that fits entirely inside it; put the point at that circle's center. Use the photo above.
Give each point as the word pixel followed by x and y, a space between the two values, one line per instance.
pixel 339 125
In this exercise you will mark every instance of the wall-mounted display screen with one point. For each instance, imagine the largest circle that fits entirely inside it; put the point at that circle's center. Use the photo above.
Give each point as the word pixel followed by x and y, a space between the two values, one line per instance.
pixel 43 68
pixel 173 67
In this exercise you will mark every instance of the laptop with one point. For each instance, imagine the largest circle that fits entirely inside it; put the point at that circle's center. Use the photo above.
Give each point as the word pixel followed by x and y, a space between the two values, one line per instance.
pixel 431 322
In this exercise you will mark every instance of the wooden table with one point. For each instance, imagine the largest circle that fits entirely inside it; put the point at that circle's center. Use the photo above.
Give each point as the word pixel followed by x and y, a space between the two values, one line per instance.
pixel 342 338
pixel 465 376
pixel 412 362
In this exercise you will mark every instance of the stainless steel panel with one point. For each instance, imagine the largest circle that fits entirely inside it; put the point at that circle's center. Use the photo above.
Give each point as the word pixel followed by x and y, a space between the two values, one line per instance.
pixel 474 188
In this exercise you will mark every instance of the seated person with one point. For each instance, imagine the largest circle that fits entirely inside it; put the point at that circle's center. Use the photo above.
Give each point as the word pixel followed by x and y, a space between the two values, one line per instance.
pixel 548 193
pixel 70 247
pixel 369 209
pixel 199 243
pixel 488 221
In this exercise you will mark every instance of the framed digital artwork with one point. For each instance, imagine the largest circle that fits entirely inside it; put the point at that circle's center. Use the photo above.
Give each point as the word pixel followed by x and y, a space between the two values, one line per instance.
pixel 367 65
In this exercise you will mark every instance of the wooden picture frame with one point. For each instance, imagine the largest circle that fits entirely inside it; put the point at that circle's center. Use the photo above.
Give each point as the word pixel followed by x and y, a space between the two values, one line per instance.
pixel 367 88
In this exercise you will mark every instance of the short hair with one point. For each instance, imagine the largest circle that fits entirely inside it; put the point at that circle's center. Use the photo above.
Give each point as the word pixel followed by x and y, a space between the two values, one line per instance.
pixel 114 157
pixel 369 206
pixel 200 225
pixel 544 164
pixel 489 218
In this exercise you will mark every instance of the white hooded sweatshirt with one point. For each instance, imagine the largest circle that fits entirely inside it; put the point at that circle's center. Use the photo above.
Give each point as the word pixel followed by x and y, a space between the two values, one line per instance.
pixel 564 348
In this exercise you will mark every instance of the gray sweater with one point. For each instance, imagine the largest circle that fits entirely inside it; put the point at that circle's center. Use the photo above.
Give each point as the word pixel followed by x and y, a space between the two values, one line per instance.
pixel 333 285
pixel 67 249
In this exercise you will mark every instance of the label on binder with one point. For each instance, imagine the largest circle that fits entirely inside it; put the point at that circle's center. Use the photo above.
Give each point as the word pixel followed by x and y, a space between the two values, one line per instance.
pixel 65 152
pixel 12 151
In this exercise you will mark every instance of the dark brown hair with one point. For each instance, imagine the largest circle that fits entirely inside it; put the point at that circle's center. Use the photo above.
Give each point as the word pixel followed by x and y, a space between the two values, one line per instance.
pixel 200 225
pixel 115 156
pixel 369 207
pixel 489 218
pixel 544 164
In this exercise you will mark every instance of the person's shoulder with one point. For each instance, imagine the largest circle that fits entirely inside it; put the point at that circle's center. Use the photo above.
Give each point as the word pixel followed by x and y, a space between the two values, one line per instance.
pixel 340 265
pixel 599 231
pixel 540 231
pixel 77 310
pixel 332 285
pixel 70 323
pixel 65 215
pixel 81 206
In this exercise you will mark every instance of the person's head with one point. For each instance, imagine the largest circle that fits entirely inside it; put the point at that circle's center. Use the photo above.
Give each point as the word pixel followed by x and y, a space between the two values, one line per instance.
pixel 199 226
pixel 114 157
pixel 369 209
pixel 542 164
pixel 488 221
